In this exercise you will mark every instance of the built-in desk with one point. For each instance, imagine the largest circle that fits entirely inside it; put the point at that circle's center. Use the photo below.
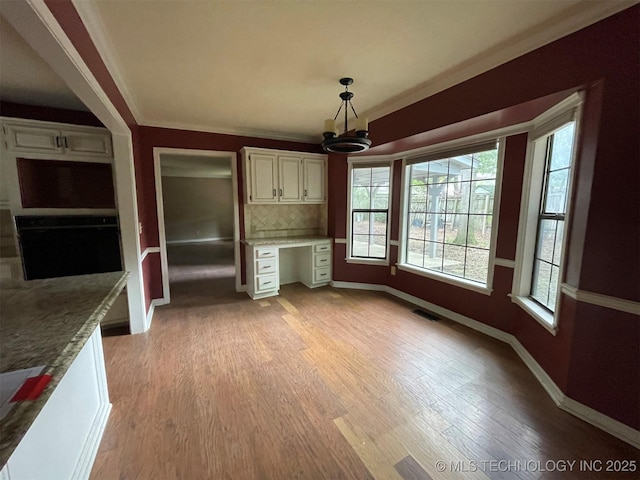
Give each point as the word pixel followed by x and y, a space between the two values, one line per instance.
pixel 272 262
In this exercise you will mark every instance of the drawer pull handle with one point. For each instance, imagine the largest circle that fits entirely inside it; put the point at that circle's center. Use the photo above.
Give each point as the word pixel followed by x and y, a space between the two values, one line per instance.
pixel 323 260
pixel 266 267
pixel 274 192
pixel 267 283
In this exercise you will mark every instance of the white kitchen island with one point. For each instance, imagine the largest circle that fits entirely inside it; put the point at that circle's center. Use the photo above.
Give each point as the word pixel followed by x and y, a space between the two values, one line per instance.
pixel 54 323
pixel 272 262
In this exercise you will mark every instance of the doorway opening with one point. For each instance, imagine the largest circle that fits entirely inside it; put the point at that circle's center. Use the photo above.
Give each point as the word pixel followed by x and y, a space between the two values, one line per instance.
pixel 198 223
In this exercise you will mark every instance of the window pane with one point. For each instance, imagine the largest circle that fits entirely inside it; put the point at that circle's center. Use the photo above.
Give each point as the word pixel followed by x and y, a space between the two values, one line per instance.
pixel 370 190
pixel 477 266
pixel 417 198
pixel 482 193
pixel 555 201
pixel 546 240
pixel 438 171
pixel 454 259
pixel 415 251
pixel 360 246
pixel 435 198
pixel 380 197
pixel 419 173
pixel 458 206
pixel 360 198
pixel 553 288
pixel 541 282
pixel 557 248
pixel 485 164
pixel 361 177
pixel 433 255
pixel 463 194
pixel 417 225
pixel 561 147
pixel 361 224
pixel 380 176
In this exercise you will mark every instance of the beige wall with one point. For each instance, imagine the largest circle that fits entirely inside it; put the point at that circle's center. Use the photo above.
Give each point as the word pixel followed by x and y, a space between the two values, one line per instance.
pixel 197 208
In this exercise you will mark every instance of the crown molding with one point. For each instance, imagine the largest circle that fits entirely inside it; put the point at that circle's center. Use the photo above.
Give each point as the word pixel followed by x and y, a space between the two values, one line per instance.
pixel 240 132
pixel 95 27
pixel 574 19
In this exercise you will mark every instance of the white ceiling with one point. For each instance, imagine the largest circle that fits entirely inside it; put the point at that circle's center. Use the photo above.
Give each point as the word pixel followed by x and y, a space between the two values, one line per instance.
pixel 271 68
pixel 26 78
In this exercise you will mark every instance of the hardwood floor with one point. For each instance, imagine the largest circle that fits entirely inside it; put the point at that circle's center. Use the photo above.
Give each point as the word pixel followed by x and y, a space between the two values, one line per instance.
pixel 329 384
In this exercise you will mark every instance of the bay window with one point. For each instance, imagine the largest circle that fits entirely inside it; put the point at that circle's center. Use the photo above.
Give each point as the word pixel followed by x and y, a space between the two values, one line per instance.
pixel 450 202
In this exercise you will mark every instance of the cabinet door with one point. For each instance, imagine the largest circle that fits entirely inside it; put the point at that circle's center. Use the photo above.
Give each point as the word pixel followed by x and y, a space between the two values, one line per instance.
pixel 87 143
pixel 33 139
pixel 263 178
pixel 314 180
pixel 289 175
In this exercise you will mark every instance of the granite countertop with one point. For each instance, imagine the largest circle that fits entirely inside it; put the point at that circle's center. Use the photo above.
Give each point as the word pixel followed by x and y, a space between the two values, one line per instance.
pixel 288 239
pixel 47 322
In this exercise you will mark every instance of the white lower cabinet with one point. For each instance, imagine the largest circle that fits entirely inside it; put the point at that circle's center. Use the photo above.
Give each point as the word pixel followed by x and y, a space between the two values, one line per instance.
pixel 320 265
pixel 63 440
pixel 262 271
pixel 306 261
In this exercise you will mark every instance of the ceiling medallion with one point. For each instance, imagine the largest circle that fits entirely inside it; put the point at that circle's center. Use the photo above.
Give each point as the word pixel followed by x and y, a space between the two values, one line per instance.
pixel 346 143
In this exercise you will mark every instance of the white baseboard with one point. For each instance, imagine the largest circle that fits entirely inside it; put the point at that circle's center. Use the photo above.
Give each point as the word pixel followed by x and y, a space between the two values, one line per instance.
pixel 588 414
pixel 90 448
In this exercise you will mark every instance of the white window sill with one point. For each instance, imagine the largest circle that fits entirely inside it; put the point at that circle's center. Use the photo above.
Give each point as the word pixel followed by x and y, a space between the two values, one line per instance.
pixel 539 314
pixel 367 261
pixel 458 282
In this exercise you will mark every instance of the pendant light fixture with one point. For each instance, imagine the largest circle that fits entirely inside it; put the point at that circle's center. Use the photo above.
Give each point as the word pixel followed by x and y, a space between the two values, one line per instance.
pixel 346 143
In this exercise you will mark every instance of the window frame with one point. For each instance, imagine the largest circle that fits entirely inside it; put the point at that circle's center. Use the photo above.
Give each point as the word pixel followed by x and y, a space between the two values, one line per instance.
pixel 533 185
pixel 445 149
pixel 364 162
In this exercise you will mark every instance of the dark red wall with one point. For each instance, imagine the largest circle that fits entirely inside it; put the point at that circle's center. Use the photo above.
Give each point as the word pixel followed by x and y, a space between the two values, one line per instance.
pixel 594 356
pixel 150 137
pixel 67 16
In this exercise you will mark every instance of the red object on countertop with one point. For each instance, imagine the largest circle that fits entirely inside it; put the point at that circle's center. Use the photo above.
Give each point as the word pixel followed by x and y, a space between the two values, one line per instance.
pixel 31 388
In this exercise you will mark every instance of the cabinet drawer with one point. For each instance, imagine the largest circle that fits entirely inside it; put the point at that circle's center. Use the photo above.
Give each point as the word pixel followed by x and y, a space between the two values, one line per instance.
pixel 266 266
pixel 321 275
pixel 265 252
pixel 265 283
pixel 323 247
pixel 322 260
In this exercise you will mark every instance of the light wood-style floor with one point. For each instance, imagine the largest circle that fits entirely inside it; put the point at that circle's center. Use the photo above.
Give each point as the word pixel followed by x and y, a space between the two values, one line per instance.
pixel 329 384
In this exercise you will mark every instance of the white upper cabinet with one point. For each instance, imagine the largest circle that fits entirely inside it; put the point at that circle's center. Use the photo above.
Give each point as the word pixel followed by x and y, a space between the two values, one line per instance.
pixel 264 178
pixel 289 173
pixel 275 176
pixel 314 179
pixel 41 137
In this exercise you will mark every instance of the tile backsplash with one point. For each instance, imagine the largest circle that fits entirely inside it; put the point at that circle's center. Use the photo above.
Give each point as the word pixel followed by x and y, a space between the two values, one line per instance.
pixel 264 221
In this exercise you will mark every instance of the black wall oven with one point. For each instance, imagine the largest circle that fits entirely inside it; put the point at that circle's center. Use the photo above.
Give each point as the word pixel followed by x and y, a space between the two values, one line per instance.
pixel 61 246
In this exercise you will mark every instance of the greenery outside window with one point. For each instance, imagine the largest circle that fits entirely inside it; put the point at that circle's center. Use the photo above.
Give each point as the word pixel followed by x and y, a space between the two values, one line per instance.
pixel 449 213
pixel 369 211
